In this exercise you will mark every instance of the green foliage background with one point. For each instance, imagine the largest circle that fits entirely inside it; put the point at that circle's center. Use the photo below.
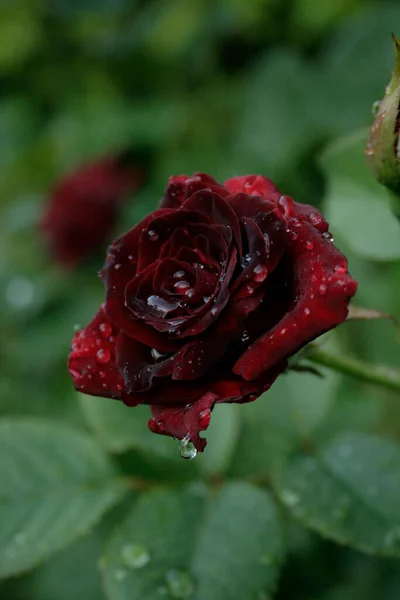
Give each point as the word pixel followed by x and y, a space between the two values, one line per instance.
pixel 297 495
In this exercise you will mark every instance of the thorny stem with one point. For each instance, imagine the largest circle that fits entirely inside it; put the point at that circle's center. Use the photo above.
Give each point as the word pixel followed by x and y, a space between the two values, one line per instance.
pixel 381 375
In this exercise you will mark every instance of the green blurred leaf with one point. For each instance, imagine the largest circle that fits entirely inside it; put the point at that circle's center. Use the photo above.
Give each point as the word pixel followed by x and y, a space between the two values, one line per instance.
pixel 275 423
pixel 160 548
pixel 239 549
pixel 55 485
pixel 272 133
pixel 357 206
pixel 222 437
pixel 72 573
pixel 349 493
pixel 20 35
pixel 120 428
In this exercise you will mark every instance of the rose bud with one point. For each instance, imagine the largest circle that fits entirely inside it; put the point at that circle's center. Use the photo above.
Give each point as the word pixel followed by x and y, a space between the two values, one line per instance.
pixel 207 298
pixel 382 151
pixel 84 206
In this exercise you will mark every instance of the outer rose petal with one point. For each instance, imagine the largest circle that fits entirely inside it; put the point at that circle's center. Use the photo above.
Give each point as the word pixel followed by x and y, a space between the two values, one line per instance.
pixel 182 421
pixel 253 185
pixel 181 187
pixel 92 363
pixel 324 289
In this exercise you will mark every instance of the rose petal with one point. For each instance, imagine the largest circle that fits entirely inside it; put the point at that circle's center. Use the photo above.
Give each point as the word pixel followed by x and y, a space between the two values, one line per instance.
pixel 181 187
pixel 182 421
pixel 92 363
pixel 139 364
pixel 254 185
pixel 324 289
pixel 217 209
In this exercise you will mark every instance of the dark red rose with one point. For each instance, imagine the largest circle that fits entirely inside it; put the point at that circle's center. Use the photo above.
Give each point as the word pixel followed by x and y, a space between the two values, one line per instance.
pixel 207 298
pixel 84 206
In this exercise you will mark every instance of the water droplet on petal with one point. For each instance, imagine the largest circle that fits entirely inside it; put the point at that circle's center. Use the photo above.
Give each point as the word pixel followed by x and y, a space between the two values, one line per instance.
pixel 153 236
pixel 179 583
pixel 105 329
pixel 156 426
pixel 340 269
pixel 135 556
pixel 328 236
pixel 103 356
pixel 189 293
pixel 206 299
pixel 187 450
pixel 156 355
pixel 286 203
pixel 245 336
pixel 245 260
pixel 323 288
pixel 307 311
pixel 117 266
pixel 214 311
pixel 293 235
pixel 309 245
pixel 315 219
pixel 204 418
pixel 182 285
pixel 179 274
pixel 260 273
pixel 161 305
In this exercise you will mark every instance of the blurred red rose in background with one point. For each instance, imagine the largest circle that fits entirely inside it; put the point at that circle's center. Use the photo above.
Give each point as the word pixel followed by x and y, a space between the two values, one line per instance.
pixel 206 299
pixel 83 207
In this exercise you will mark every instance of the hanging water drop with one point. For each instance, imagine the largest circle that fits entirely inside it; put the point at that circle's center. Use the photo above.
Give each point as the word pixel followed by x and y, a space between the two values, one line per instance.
pixel 187 449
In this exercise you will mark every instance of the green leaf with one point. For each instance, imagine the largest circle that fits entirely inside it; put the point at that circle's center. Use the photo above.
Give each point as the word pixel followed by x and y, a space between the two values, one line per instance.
pixel 222 436
pixel 120 428
pixel 357 206
pixel 55 484
pixel 240 547
pixel 178 545
pixel 350 493
pixel 275 423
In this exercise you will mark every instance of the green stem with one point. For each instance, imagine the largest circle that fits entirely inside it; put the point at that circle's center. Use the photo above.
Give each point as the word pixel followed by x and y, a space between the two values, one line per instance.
pixel 382 375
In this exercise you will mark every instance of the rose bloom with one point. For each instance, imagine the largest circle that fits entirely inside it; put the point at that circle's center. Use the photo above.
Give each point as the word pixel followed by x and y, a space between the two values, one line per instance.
pixel 207 298
pixel 83 207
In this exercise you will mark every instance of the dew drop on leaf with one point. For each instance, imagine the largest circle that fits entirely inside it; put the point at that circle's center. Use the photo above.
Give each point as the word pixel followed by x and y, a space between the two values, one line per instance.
pixel 179 583
pixel 135 556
